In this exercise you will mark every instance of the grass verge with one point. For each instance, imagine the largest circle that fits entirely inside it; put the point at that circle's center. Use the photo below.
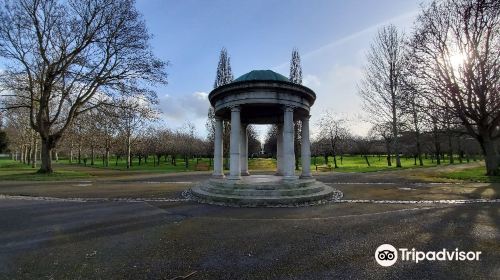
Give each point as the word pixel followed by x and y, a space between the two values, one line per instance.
pixel 474 174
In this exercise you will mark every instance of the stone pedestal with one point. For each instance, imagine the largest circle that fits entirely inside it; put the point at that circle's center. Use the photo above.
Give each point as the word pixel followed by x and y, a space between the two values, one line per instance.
pixel 264 191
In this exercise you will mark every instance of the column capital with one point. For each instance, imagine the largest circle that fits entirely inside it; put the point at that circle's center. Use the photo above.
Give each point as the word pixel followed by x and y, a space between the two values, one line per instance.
pixel 235 108
pixel 306 117
pixel 288 108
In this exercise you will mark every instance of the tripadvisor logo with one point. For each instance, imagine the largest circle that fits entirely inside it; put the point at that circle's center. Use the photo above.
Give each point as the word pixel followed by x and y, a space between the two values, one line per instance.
pixel 387 255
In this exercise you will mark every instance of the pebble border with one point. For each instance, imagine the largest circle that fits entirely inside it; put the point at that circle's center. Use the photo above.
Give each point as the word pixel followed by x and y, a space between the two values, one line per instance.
pixel 441 201
pixel 188 196
pixel 97 199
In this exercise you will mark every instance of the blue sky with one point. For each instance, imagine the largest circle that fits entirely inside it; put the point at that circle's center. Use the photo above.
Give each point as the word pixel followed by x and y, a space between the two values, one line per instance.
pixel 332 37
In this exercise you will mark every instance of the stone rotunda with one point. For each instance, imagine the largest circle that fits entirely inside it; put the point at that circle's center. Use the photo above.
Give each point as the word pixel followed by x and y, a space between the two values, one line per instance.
pixel 262 97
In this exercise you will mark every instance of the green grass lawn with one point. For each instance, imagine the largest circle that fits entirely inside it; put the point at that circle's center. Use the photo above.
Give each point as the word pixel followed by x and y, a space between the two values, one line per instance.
pixel 356 163
pixel 147 166
pixel 14 170
pixel 475 174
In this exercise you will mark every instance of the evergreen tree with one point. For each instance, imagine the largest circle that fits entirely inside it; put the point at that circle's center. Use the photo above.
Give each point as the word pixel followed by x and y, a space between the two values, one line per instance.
pixel 295 68
pixel 224 73
pixel 224 76
pixel 296 77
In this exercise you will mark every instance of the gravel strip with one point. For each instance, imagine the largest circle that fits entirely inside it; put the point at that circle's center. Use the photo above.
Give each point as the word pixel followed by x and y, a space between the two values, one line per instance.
pixel 187 196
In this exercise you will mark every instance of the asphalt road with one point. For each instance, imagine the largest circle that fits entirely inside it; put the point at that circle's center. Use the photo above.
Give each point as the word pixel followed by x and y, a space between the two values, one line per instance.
pixel 138 240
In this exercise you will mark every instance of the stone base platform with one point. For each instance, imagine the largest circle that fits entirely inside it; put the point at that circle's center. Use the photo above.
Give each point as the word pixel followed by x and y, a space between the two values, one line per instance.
pixel 264 191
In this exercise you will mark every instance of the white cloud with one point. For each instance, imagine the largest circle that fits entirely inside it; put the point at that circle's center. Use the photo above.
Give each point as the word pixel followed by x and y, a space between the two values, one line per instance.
pixel 192 107
pixel 311 81
pixel 338 93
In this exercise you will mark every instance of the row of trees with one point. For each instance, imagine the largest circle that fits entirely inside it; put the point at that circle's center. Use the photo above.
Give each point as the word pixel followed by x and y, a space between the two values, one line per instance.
pixel 443 78
pixel 67 59
pixel 334 139
pixel 82 75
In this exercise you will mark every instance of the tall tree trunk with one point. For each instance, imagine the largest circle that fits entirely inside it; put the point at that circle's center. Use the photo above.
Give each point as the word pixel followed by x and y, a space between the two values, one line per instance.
pixel 491 157
pixel 71 152
pixel 92 154
pixel 367 161
pixel 128 151
pixel 106 163
pixel 47 145
pixel 437 144
pixel 395 125
pixel 460 151
pixel 29 154
pixel 388 150
pixel 79 153
pixel 35 148
pixel 419 152
pixel 335 161
pixel 450 145
pixel 417 134
pixel 26 154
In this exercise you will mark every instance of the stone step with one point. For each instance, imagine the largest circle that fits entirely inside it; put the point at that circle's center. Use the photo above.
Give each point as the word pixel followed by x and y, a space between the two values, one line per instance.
pixel 261 200
pixel 271 185
pixel 255 191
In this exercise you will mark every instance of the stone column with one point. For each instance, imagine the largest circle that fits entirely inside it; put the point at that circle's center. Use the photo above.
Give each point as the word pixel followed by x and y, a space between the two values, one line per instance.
pixel 218 150
pixel 244 150
pixel 279 150
pixel 305 149
pixel 234 144
pixel 288 147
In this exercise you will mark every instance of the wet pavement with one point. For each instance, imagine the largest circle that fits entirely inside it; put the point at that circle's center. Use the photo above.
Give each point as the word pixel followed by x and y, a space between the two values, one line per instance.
pixel 163 240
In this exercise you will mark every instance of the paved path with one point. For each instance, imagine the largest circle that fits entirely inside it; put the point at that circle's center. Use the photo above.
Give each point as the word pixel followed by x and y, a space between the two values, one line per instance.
pixel 172 237
pixel 162 240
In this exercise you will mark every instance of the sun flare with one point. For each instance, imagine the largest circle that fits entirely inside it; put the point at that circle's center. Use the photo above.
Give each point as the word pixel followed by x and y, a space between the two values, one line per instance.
pixel 457 60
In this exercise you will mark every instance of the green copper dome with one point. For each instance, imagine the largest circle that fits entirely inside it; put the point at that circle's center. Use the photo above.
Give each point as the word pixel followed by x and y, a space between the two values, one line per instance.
pixel 262 75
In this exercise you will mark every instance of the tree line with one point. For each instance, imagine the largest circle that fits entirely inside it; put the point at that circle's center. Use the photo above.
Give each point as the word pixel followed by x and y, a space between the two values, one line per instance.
pixel 80 81
pixel 441 79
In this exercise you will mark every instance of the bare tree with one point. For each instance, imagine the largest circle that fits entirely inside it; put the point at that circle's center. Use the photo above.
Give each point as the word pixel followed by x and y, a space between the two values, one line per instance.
pixel 381 87
pixel 131 114
pixel 363 146
pixel 456 46
pixel 413 108
pixel 187 139
pixel 385 131
pixel 333 130
pixel 62 54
